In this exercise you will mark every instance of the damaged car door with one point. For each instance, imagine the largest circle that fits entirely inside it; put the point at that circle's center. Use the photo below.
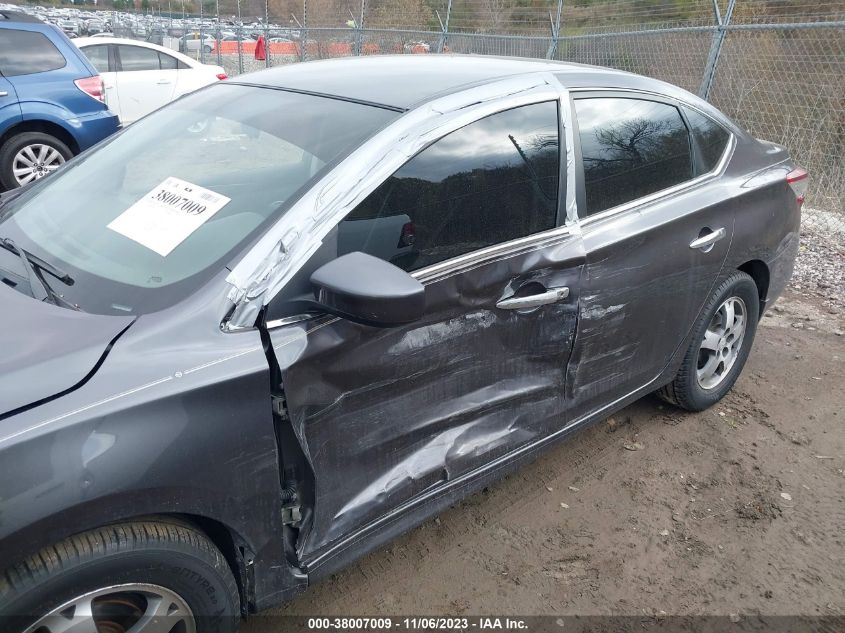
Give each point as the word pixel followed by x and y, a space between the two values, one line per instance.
pixel 657 227
pixel 387 418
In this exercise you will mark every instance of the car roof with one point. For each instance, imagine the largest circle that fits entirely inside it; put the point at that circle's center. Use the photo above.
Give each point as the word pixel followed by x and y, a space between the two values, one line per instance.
pixel 406 81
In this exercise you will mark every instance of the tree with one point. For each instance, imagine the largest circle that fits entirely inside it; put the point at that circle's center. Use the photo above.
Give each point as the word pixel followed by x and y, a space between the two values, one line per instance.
pixel 495 14
pixel 413 14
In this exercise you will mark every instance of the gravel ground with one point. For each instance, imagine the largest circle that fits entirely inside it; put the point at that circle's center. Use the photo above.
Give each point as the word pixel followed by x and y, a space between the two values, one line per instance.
pixel 736 511
pixel 820 268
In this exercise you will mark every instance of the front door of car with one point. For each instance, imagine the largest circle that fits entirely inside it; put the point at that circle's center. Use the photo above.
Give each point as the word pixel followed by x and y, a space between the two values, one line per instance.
pixel 143 83
pixel 656 231
pixel 387 417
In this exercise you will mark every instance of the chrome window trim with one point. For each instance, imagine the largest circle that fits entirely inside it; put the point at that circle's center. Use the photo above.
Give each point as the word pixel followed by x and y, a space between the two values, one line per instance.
pixel 713 174
pixel 654 93
pixel 474 259
pixel 296 318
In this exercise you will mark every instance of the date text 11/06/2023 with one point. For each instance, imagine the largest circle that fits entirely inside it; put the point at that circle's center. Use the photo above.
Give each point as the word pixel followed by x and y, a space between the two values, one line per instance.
pixel 418 623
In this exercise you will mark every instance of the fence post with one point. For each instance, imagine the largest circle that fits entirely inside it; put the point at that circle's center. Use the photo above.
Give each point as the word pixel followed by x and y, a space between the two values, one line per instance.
pixel 359 44
pixel 239 32
pixel 217 35
pixel 444 28
pixel 722 22
pixel 267 34
pixel 303 32
pixel 555 24
pixel 202 40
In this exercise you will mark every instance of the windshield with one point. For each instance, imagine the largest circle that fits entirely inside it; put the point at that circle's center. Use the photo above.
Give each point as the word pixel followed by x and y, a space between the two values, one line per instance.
pixel 142 221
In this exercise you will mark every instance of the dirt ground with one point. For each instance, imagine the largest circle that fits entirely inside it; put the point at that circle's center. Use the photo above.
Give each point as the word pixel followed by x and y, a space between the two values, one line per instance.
pixel 739 509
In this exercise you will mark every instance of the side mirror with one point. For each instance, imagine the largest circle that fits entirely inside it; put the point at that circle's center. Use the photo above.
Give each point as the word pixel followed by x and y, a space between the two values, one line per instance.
pixel 368 290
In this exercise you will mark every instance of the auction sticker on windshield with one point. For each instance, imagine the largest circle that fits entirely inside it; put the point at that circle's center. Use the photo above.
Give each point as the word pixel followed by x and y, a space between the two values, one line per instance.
pixel 168 215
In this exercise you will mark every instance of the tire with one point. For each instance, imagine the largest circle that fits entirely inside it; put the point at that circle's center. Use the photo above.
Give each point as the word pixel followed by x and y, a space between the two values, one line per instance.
pixel 138 565
pixel 18 143
pixel 206 49
pixel 693 388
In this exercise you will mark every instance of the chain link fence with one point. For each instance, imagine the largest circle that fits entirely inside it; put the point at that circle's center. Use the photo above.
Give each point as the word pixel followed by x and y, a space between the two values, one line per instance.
pixel 776 66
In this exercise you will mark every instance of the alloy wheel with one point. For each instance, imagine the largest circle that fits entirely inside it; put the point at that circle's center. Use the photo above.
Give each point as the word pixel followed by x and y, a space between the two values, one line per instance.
pixel 129 608
pixel 722 343
pixel 35 161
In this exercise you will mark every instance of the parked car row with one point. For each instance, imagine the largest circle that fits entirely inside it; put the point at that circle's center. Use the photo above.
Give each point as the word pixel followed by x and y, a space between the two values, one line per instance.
pixel 57 99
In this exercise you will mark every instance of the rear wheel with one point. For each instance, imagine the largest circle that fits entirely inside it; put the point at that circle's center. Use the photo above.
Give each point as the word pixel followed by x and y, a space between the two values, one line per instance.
pixel 720 346
pixel 28 156
pixel 140 577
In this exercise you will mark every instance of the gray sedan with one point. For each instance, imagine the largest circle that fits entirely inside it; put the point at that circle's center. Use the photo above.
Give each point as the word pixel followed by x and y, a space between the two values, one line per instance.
pixel 288 317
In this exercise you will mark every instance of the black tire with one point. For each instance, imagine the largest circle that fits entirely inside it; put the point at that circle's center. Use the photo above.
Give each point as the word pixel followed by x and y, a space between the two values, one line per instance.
pixel 685 391
pixel 206 49
pixel 158 553
pixel 16 143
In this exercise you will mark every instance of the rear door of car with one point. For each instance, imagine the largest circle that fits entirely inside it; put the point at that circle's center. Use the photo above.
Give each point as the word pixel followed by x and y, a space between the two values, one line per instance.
pixel 389 418
pixel 656 228
pixel 142 83
pixel 37 69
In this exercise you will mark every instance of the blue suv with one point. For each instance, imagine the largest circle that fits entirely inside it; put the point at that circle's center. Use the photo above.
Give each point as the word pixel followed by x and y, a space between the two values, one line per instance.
pixel 51 100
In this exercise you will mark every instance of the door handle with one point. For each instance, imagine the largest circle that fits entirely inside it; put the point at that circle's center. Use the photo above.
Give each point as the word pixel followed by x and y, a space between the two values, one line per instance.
pixel 534 301
pixel 705 242
pixel 3 93
pixel 164 81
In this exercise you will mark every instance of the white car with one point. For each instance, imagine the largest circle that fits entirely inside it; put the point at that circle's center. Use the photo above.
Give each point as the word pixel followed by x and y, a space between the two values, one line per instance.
pixel 140 77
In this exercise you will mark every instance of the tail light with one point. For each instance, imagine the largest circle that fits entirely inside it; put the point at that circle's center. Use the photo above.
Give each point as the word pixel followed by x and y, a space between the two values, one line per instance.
pixel 408 235
pixel 222 76
pixel 798 180
pixel 93 87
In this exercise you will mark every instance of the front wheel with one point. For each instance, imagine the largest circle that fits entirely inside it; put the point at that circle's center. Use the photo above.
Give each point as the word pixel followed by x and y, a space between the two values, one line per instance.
pixel 139 577
pixel 720 345
pixel 29 156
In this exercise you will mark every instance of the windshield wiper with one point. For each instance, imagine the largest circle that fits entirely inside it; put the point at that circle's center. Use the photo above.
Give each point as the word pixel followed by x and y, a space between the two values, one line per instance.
pixel 39 287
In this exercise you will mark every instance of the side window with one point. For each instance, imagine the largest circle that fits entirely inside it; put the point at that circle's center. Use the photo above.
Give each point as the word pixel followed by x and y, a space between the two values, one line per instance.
pixel 98 56
pixel 630 148
pixel 134 58
pixel 167 62
pixel 489 182
pixel 712 139
pixel 27 52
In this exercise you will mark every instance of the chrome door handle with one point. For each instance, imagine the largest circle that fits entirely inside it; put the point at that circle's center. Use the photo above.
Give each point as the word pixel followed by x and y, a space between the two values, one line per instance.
pixel 3 93
pixel 707 241
pixel 534 301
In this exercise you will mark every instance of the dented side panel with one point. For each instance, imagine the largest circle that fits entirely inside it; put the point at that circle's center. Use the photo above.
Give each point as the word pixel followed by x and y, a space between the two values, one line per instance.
pixel 385 415
pixel 643 288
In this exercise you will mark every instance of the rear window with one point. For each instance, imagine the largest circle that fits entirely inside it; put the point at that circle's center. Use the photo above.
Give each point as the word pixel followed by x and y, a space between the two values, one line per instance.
pixel 27 53
pixel 630 148
pixel 712 139
pixel 98 56
pixel 134 58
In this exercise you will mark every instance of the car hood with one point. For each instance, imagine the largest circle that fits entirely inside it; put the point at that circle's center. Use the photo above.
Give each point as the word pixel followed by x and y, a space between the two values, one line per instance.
pixel 46 350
